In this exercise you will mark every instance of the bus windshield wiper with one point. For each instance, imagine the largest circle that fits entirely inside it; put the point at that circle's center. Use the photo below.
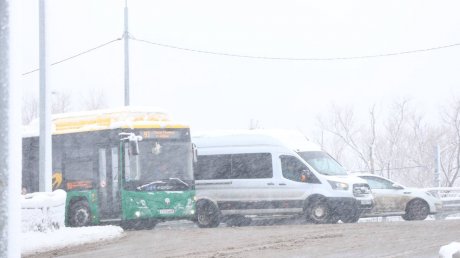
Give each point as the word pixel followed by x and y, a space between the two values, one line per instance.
pixel 178 179
pixel 149 184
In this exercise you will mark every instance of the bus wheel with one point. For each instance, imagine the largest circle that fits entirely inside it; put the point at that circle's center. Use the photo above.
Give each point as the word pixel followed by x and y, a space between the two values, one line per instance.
pixel 318 211
pixel 207 215
pixel 80 215
pixel 138 224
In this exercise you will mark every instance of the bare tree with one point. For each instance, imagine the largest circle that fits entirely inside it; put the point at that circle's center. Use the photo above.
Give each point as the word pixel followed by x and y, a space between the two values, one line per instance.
pixel 333 145
pixel 400 146
pixel 94 99
pixel 359 138
pixel 450 158
pixel 390 142
pixel 61 102
pixel 29 108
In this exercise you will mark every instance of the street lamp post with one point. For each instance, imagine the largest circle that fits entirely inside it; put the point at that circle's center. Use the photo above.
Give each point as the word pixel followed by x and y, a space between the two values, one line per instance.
pixel 10 137
pixel 45 105
pixel 126 44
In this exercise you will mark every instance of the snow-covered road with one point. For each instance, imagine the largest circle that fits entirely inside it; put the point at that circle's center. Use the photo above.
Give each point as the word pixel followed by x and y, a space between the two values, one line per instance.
pixel 374 239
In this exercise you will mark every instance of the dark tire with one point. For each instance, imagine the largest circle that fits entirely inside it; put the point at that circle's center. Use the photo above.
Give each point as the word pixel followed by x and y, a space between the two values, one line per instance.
pixel 351 217
pixel 138 224
pixel 318 212
pixel 79 214
pixel 238 221
pixel 416 210
pixel 207 215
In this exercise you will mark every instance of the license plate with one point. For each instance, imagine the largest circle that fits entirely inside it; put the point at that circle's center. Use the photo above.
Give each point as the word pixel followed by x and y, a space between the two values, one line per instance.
pixel 366 202
pixel 167 211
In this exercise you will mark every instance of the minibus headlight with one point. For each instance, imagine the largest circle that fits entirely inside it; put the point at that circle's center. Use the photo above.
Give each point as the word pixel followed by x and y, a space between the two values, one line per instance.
pixel 338 185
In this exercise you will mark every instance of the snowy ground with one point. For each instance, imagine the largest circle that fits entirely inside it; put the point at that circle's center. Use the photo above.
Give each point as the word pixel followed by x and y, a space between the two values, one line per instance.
pixel 398 239
pixel 37 242
pixel 33 242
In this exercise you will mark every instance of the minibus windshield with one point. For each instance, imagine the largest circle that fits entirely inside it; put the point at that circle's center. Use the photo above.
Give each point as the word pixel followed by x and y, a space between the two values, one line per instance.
pixel 322 162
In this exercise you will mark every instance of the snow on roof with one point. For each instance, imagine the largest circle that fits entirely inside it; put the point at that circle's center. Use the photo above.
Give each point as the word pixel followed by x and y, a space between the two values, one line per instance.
pixel 122 117
pixel 292 139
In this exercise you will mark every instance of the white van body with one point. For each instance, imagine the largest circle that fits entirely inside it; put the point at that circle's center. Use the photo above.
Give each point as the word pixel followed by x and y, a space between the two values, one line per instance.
pixel 279 181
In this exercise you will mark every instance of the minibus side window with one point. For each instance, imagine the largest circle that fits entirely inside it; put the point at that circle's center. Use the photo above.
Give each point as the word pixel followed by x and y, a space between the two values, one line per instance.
pixel 293 169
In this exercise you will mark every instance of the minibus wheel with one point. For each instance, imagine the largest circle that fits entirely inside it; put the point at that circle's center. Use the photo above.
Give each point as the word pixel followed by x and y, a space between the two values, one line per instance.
pixel 238 221
pixel 351 217
pixel 318 211
pixel 207 214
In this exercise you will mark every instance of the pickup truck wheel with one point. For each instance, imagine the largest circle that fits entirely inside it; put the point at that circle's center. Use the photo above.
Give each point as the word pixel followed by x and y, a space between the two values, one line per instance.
pixel 208 215
pixel 416 210
pixel 318 211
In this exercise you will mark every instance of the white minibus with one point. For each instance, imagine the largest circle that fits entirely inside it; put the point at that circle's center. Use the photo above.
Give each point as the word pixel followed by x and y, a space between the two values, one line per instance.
pixel 242 174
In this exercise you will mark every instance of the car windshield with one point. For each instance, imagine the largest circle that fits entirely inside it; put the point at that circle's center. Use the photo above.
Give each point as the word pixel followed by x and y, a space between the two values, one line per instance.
pixel 322 162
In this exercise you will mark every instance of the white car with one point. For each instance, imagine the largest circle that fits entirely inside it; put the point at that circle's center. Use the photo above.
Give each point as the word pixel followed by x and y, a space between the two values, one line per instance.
pixel 393 199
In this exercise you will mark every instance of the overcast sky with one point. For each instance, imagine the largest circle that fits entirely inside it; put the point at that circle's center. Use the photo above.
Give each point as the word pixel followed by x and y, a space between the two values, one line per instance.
pixel 212 91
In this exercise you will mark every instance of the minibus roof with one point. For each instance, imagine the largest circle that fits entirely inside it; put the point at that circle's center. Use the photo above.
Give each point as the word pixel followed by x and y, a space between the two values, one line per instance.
pixel 291 139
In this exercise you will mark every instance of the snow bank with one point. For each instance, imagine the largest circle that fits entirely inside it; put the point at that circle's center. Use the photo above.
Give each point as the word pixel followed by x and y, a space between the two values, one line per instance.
pixel 451 250
pixel 43 211
pixel 34 242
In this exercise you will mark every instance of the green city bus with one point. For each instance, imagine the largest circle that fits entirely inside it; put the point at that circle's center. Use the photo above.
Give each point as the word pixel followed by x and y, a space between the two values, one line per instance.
pixel 132 166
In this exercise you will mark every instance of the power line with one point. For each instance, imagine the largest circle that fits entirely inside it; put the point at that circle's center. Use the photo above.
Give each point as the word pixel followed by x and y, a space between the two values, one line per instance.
pixel 76 55
pixel 386 169
pixel 250 56
pixel 298 58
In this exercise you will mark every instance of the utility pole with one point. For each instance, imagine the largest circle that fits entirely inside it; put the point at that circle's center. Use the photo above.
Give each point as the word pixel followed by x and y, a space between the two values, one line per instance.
pixel 10 137
pixel 45 104
pixel 126 41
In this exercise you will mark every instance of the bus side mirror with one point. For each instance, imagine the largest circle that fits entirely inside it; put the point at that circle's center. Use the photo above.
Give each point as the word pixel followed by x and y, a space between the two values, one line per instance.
pixel 133 142
pixel 133 147
pixel 195 153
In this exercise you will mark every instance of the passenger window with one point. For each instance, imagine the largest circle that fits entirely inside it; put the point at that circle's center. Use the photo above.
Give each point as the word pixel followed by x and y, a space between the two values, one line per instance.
pixel 293 169
pixel 252 165
pixel 378 183
pixel 213 167
pixel 235 166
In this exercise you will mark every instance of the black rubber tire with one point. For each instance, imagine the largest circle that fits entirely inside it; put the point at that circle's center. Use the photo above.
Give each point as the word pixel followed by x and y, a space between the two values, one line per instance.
pixel 416 210
pixel 351 217
pixel 238 221
pixel 318 212
pixel 138 224
pixel 207 215
pixel 79 214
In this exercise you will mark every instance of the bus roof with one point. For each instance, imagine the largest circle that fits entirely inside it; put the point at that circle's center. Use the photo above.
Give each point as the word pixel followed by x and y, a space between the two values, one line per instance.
pixel 291 139
pixel 96 120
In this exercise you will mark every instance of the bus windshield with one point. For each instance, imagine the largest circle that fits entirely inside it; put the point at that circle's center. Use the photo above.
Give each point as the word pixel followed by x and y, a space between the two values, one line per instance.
pixel 160 163
pixel 323 163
